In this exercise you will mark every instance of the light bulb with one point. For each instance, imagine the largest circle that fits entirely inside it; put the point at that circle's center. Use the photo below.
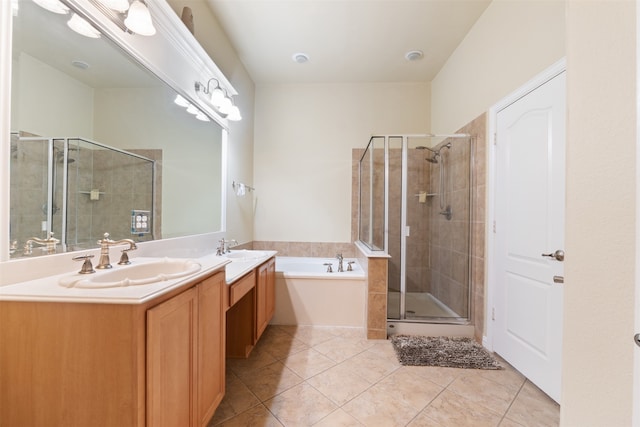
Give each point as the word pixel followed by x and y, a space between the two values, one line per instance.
pixel 139 19
pixel 181 101
pixel 202 116
pixel 191 109
pixel 217 97
pixel 234 114
pixel 54 6
pixel 118 5
pixel 82 27
pixel 226 105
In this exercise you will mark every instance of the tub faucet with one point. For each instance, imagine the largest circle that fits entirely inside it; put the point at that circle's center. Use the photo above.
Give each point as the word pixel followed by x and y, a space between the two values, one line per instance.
pixel 105 243
pixel 340 259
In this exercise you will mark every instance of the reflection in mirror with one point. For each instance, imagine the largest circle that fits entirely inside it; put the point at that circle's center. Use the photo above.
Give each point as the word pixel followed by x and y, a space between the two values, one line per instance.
pixel 73 190
pixel 85 118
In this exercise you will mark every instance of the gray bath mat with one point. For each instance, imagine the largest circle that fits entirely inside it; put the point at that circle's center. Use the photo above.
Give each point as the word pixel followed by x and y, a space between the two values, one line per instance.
pixel 442 351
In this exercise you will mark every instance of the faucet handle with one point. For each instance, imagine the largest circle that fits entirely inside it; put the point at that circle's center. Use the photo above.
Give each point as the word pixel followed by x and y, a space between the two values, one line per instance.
pixel 124 258
pixel 87 267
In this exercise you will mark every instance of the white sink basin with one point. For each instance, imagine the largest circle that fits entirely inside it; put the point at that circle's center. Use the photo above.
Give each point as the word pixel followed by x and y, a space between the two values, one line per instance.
pixel 245 254
pixel 134 275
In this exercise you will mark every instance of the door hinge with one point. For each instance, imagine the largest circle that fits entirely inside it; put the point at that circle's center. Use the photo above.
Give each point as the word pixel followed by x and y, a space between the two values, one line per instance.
pixel 494 226
pixel 495 138
pixel 493 314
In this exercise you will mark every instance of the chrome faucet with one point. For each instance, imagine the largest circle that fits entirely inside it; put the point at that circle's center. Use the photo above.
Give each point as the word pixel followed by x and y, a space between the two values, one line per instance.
pixel 50 244
pixel 105 243
pixel 224 246
pixel 340 259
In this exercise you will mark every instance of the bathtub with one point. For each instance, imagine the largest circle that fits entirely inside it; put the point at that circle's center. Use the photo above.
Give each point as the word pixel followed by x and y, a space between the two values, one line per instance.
pixel 307 295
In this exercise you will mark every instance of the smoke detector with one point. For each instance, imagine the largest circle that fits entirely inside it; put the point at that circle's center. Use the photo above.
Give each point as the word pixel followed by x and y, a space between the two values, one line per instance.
pixel 414 55
pixel 300 58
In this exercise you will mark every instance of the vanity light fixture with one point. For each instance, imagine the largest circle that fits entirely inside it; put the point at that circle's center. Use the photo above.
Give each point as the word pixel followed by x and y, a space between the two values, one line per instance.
pixel 82 27
pixel 117 5
pixel 55 6
pixel 181 101
pixel 219 99
pixel 134 17
pixel 138 19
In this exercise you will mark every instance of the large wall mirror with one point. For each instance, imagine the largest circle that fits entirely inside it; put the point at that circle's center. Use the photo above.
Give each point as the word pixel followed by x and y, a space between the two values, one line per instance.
pixel 98 140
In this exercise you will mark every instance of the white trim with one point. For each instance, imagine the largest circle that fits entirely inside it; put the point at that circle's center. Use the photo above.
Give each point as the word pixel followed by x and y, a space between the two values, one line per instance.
pixel 635 417
pixel 551 72
pixel 6 28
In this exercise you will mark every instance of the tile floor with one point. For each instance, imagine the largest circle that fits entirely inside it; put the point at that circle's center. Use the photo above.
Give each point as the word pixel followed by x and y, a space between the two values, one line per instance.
pixel 331 377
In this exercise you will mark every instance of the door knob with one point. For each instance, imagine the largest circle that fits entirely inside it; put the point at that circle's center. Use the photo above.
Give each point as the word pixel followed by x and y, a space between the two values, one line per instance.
pixel 557 255
pixel 636 338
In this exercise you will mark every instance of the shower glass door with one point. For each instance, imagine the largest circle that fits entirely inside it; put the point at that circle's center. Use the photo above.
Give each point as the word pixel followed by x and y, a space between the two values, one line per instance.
pixel 429 228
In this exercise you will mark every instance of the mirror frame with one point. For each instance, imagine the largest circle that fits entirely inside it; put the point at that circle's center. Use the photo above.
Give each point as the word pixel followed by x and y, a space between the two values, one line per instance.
pixel 172 54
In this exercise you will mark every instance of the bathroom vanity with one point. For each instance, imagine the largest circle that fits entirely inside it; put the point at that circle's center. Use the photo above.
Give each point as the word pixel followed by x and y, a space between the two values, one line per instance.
pixel 128 357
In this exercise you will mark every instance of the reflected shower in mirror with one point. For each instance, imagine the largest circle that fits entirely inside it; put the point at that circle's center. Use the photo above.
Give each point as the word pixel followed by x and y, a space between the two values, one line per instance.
pixel 91 94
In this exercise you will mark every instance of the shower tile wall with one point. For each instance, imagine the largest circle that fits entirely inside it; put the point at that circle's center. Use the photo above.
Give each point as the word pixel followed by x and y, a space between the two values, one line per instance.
pixel 123 183
pixel 449 238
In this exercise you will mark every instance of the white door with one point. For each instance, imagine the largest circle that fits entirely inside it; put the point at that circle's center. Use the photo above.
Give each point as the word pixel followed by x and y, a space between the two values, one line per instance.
pixel 529 222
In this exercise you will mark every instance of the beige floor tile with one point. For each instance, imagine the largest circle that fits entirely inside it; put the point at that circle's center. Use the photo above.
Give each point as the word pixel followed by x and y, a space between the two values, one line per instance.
pixel 422 420
pixel 507 377
pixel 269 381
pixel 370 366
pixel 237 399
pixel 341 348
pixel 436 374
pixel 534 408
pixel 300 406
pixel 506 422
pixel 311 335
pixel 281 346
pixel 338 418
pixel 308 363
pixel 256 416
pixel 340 384
pixel 411 389
pixel 452 410
pixel 349 332
pixel 257 359
pixel 489 394
pixel 375 408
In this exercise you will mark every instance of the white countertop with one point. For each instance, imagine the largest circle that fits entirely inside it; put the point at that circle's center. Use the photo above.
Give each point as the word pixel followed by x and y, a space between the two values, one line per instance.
pixel 48 289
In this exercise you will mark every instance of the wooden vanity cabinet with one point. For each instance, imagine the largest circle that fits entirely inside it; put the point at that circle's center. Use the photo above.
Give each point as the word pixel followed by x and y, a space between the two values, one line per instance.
pixel 252 305
pixel 185 356
pixel 265 296
pixel 84 364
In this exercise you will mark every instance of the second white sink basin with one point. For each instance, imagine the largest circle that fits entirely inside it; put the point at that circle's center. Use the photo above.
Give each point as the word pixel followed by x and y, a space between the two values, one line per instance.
pixel 134 275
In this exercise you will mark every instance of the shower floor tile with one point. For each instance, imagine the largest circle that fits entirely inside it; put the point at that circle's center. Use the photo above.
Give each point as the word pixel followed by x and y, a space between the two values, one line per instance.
pixel 336 377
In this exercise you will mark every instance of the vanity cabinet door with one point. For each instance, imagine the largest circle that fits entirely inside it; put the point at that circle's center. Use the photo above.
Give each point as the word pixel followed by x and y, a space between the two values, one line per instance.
pixel 265 298
pixel 211 348
pixel 172 360
pixel 186 356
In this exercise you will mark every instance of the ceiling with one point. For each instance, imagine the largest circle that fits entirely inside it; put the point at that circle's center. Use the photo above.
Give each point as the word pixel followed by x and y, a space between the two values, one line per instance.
pixel 346 40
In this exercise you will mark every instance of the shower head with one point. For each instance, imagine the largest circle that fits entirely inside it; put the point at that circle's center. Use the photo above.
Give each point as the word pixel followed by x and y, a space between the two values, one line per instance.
pixel 433 159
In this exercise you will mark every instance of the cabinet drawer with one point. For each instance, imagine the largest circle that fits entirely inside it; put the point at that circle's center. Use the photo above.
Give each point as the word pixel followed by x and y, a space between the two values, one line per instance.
pixel 241 287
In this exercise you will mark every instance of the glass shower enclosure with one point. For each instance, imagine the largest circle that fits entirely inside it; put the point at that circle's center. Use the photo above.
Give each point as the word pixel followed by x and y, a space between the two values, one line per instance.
pixel 415 205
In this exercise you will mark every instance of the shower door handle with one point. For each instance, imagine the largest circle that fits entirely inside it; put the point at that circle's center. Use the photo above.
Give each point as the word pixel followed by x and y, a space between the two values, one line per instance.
pixel 557 255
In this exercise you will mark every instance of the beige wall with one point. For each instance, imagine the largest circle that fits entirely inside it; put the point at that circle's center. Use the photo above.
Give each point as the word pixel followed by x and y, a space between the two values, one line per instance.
pixel 511 42
pixel 210 35
pixel 304 134
pixel 600 227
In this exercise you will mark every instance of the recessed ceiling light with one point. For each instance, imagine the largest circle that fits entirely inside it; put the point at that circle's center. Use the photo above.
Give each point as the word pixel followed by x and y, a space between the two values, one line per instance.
pixel 414 55
pixel 80 64
pixel 300 58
